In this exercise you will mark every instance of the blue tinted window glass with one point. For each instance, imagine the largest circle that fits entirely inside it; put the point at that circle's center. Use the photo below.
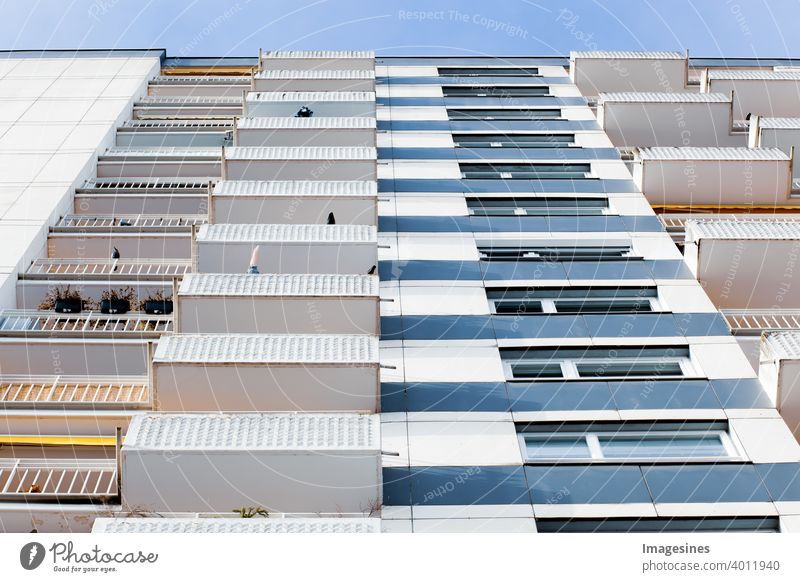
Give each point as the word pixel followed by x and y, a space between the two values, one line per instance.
pixel 586 484
pixel 782 480
pixel 642 224
pixel 660 394
pixel 701 324
pixel 391 328
pixel 507 271
pixel 556 448
pixel 631 325
pixel 430 270
pixel 672 446
pixel 669 269
pixel 468 486
pixel 396 486
pixel 704 483
pixel 447 327
pixel 541 326
pixel 452 396
pixel 607 270
pixel 741 393
pixel 393 397
pixel 538 396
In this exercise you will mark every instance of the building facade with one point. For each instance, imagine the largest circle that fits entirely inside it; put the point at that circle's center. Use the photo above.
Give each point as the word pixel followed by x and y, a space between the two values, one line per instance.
pixel 436 294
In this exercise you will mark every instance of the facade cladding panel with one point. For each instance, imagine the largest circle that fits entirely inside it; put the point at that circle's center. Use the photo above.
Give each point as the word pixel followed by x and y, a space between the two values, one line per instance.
pixel 540 347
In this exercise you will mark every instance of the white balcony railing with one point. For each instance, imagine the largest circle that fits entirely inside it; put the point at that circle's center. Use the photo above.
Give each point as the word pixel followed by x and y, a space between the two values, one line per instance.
pixel 125 222
pixel 73 392
pixel 40 479
pixel 756 321
pixel 31 323
pixel 101 268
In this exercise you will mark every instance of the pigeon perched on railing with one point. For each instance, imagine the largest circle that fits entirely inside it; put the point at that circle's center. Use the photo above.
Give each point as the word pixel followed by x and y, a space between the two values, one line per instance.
pixel 331 218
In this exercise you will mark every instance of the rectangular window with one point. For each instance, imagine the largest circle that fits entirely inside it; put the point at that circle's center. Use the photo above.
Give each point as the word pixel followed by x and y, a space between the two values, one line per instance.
pixel 573 300
pixel 514 140
pixel 496 91
pixel 497 114
pixel 659 525
pixel 539 206
pixel 512 171
pixel 498 250
pixel 633 442
pixel 488 72
pixel 582 363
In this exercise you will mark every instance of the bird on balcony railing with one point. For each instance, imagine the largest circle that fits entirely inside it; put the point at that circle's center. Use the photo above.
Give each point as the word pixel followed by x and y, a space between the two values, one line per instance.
pixel 304 112
pixel 331 218
pixel 116 256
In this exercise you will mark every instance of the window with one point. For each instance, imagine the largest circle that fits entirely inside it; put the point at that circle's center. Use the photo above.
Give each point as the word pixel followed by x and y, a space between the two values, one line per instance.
pixel 496 91
pixel 488 72
pixel 509 114
pixel 516 140
pixel 573 300
pixel 498 250
pixel 659 524
pixel 628 442
pixel 539 206
pixel 582 363
pixel 503 171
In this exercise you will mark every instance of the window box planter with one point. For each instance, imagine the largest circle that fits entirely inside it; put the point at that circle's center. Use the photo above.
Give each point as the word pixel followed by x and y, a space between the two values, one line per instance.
pixel 158 306
pixel 115 306
pixel 68 305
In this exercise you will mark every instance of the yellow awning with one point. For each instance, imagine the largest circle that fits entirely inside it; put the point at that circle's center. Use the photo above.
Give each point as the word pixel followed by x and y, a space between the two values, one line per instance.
pixel 78 441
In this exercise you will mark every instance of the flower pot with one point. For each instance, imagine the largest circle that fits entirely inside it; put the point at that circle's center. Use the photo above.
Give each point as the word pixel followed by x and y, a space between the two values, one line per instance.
pixel 115 306
pixel 68 305
pixel 158 307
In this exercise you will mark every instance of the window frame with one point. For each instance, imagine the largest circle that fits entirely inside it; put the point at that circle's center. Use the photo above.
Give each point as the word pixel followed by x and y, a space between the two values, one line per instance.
pixel 550 305
pixel 474 170
pixel 445 71
pixel 523 203
pixel 569 366
pixel 734 453
pixel 509 138
pixel 535 251
pixel 515 114
pixel 497 91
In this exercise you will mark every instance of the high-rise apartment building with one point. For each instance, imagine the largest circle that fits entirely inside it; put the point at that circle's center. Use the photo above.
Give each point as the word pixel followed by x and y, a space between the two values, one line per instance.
pixel 340 292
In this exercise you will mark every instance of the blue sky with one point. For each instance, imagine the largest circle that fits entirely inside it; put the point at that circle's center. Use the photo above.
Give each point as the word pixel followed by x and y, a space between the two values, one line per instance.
pixel 766 28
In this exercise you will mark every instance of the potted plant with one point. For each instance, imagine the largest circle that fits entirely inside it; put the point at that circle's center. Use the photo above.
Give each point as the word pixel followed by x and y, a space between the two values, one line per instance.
pixel 117 300
pixel 62 300
pixel 157 304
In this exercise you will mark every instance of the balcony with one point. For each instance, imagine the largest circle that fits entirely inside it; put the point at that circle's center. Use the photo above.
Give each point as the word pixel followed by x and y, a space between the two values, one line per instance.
pixel 175 133
pixel 742 264
pixel 322 103
pixel 317 60
pixel 219 525
pixel 78 344
pixel 267 304
pixel 143 196
pixel 315 80
pixel 306 463
pixel 596 72
pixel 187 107
pixel 294 202
pixel 243 372
pixel 300 163
pixel 756 92
pixel 58 480
pixel 713 176
pixel 779 372
pixel 748 325
pixel 668 119
pixel 160 162
pixel 105 270
pixel 305 131
pixel 776 132
pixel 287 248
pixel 198 86
pixel 96 405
